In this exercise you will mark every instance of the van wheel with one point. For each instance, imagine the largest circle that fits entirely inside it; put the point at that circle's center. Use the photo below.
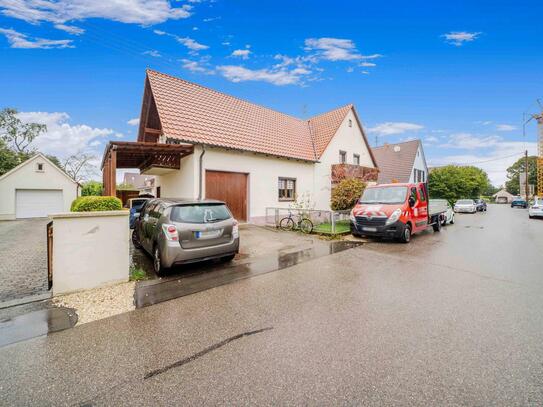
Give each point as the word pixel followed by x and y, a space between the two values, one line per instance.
pixel 437 226
pixel 406 235
pixel 157 262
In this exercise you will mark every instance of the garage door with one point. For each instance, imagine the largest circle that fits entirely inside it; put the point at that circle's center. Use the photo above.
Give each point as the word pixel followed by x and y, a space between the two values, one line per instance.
pixel 230 187
pixel 37 203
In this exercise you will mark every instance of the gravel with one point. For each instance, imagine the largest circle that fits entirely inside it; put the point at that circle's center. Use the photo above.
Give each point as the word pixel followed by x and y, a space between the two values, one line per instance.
pixel 99 303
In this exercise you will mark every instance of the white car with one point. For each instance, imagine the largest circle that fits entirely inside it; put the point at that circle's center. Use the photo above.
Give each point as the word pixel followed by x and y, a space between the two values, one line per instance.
pixel 449 214
pixel 536 210
pixel 465 205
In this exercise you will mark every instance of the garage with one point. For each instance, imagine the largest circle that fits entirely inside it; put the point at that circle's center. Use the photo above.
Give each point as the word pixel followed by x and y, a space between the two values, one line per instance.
pixel 37 203
pixel 230 187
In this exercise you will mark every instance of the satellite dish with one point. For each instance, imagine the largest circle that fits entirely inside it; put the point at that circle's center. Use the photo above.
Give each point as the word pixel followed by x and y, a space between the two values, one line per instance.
pixel 397 149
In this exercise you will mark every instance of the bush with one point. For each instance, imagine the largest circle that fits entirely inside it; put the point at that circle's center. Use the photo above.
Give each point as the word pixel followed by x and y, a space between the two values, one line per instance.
pixel 96 203
pixel 91 188
pixel 346 194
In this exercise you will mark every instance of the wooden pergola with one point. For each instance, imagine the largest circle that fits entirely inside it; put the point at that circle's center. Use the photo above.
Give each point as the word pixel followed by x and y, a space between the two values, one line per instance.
pixel 148 157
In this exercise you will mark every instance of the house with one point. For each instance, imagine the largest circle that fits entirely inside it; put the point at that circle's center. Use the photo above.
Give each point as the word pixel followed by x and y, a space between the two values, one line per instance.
pixel 36 188
pixel 401 162
pixel 143 183
pixel 502 196
pixel 201 143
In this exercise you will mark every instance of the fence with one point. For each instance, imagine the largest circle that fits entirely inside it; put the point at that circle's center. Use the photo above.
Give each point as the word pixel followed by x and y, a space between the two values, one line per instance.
pixel 325 222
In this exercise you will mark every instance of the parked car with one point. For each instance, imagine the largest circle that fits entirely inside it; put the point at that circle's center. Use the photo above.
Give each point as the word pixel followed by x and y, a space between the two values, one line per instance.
pixel 465 206
pixel 449 214
pixel 536 209
pixel 177 231
pixel 396 211
pixel 480 205
pixel 519 202
pixel 135 205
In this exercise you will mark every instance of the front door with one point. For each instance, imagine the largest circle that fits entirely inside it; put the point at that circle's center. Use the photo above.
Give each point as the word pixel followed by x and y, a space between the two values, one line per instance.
pixel 229 187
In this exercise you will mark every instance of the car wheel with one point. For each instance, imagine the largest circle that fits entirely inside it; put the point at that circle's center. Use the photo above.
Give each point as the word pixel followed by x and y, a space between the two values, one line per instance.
pixel 444 221
pixel 157 262
pixel 406 235
pixel 136 239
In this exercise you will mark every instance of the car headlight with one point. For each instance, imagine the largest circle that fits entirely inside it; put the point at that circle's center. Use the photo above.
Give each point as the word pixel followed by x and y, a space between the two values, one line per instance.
pixel 351 216
pixel 394 216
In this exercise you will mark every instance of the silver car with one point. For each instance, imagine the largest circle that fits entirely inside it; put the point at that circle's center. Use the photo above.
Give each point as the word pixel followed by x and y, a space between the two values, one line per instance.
pixel 177 231
pixel 465 206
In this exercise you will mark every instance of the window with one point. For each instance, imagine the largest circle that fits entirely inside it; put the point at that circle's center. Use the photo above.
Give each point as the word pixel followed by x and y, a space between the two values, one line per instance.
pixel 286 189
pixel 413 194
pixel 206 213
pixel 356 159
pixel 39 167
pixel 350 123
pixel 423 176
pixel 342 157
pixel 421 194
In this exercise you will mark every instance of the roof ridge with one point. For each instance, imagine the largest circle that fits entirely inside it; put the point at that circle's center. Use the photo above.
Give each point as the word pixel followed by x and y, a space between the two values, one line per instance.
pixel 224 93
pixel 348 105
pixel 418 140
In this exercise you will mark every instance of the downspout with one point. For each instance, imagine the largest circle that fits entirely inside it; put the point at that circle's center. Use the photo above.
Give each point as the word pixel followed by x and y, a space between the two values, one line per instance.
pixel 200 169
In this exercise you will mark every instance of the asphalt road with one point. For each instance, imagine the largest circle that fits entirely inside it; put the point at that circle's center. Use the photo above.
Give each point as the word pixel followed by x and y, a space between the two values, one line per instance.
pixel 451 319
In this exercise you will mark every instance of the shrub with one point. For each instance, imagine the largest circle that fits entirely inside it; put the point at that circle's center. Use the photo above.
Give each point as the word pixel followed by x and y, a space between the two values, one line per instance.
pixel 96 203
pixel 346 194
pixel 91 188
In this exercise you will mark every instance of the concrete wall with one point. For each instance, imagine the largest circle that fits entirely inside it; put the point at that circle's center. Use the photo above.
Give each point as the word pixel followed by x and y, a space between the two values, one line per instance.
pixel 27 177
pixel 349 139
pixel 90 249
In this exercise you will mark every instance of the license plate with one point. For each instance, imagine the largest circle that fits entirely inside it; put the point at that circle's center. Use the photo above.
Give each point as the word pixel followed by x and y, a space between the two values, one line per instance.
pixel 210 234
pixel 368 229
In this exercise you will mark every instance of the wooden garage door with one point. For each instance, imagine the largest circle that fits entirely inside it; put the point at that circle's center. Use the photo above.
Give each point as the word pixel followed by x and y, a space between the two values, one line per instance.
pixel 230 187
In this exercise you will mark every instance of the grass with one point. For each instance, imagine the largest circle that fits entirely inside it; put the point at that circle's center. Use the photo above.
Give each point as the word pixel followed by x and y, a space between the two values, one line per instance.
pixel 137 273
pixel 342 227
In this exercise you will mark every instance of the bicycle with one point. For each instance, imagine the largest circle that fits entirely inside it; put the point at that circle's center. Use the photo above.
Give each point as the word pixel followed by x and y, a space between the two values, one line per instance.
pixel 288 223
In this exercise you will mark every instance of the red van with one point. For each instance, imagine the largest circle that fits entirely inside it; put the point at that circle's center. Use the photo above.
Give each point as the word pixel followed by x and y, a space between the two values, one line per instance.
pixel 396 211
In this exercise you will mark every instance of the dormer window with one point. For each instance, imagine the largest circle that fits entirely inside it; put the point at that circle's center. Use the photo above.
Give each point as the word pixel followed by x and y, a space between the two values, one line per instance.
pixel 39 167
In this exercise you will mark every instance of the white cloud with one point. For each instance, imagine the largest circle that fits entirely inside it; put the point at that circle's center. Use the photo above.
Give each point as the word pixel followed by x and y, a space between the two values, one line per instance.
pixel 153 53
pixel 20 40
pixel 367 64
pixel 197 66
pixel 505 127
pixel 469 141
pixel 63 139
pixel 193 45
pixel 333 49
pixel 145 12
pixel 389 128
pixel 210 19
pixel 458 38
pixel 70 29
pixel 133 122
pixel 242 53
pixel 431 139
pixel 279 77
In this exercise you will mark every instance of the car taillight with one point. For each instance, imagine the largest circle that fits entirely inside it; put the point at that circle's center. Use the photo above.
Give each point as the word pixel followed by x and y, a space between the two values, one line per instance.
pixel 235 229
pixel 171 232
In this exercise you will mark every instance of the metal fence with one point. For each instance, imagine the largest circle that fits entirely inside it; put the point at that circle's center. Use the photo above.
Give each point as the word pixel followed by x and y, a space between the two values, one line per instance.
pixel 325 222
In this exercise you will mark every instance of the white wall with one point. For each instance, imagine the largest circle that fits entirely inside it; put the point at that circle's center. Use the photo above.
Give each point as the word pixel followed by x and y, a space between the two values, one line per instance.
pixel 349 139
pixel 419 164
pixel 182 183
pixel 26 177
pixel 90 249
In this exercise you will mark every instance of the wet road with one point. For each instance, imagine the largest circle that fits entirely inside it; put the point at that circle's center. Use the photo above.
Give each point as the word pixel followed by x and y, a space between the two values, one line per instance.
pixel 453 318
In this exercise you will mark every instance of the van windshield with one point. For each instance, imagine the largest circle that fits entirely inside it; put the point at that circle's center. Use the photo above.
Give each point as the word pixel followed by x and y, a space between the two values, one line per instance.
pixel 199 213
pixel 384 195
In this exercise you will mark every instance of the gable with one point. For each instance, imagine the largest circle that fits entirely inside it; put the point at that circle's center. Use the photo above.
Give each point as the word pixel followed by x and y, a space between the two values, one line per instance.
pixel 29 168
pixel 395 161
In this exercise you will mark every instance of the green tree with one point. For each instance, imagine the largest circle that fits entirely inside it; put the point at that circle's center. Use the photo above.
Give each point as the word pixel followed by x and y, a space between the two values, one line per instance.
pixel 18 135
pixel 91 188
pixel 454 182
pixel 346 194
pixel 8 158
pixel 513 174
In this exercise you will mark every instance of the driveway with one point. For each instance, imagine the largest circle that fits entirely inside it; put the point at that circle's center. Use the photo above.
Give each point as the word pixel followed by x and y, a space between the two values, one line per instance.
pixel 23 258
pixel 453 318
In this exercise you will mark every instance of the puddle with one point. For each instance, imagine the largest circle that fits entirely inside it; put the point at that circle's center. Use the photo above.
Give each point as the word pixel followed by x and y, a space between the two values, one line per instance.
pixel 206 277
pixel 37 323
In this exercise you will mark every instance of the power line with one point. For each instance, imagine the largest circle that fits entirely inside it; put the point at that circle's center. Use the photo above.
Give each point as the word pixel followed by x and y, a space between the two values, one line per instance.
pixel 481 162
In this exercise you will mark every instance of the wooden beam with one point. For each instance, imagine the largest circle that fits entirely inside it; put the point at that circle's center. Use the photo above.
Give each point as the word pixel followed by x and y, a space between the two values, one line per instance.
pixel 113 171
pixel 153 131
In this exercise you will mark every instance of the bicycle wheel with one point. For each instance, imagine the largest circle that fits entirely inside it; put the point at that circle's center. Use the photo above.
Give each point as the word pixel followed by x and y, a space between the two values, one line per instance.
pixel 306 226
pixel 286 224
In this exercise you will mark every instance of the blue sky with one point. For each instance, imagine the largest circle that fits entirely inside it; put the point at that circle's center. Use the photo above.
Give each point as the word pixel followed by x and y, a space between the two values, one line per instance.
pixel 458 75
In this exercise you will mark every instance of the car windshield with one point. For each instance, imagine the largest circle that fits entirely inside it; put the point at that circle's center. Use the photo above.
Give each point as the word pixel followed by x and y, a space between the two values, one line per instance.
pixel 199 213
pixel 464 202
pixel 384 195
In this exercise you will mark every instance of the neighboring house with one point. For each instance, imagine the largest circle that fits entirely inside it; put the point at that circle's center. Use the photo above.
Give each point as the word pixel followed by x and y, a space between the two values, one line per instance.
pixel 502 196
pixel 212 145
pixel 144 183
pixel 36 188
pixel 401 162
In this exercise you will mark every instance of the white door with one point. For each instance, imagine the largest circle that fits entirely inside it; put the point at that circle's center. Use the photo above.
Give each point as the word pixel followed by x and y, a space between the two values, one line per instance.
pixel 37 203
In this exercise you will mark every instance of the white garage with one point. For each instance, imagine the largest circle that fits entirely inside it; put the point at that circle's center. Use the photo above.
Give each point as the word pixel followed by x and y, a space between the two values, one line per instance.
pixel 36 189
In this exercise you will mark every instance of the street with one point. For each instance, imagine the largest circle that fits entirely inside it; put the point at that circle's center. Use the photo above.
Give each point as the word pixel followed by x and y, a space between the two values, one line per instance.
pixel 453 318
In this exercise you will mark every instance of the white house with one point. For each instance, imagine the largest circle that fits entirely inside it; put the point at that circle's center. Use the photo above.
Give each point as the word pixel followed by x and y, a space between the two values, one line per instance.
pixel 205 144
pixel 36 188
pixel 401 162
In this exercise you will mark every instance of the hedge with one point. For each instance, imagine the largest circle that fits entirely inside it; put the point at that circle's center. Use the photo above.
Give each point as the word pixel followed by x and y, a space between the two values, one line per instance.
pixel 96 203
pixel 346 194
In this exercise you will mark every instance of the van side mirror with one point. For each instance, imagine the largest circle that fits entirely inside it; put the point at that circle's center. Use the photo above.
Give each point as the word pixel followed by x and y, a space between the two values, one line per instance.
pixel 411 201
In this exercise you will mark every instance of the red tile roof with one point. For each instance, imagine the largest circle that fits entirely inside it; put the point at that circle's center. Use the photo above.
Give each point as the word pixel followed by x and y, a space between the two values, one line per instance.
pixel 395 161
pixel 195 114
